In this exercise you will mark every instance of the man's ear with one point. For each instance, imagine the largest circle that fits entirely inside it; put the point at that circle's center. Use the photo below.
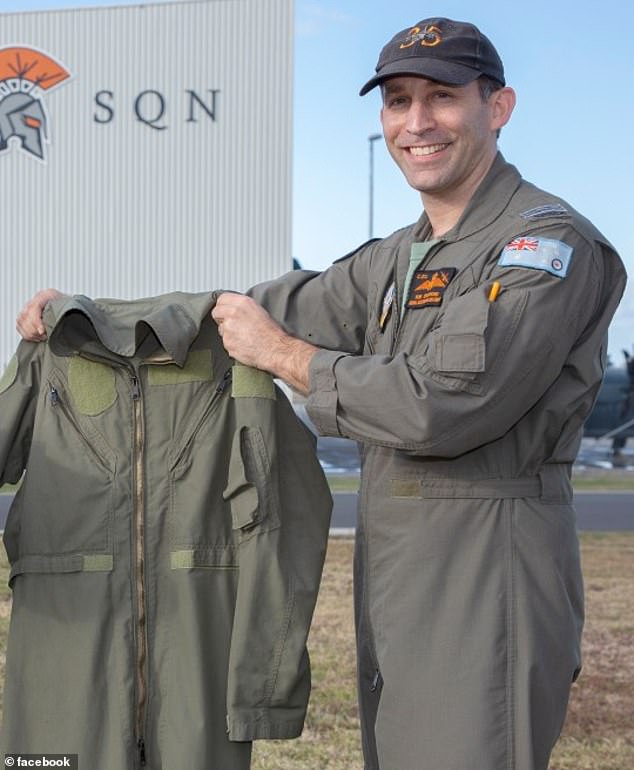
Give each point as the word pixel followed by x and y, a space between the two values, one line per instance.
pixel 502 105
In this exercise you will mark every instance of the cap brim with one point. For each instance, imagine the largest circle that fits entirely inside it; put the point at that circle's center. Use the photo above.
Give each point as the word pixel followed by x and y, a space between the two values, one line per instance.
pixel 434 69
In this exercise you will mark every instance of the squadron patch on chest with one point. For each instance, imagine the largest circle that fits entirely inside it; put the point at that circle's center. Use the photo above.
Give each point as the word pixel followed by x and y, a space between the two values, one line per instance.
pixel 538 254
pixel 428 287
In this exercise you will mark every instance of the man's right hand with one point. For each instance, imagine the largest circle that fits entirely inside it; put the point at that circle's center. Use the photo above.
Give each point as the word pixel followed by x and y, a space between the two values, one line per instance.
pixel 29 321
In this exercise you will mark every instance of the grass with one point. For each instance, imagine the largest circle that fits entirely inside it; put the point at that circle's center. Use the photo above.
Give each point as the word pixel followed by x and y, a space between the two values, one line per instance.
pixel 599 731
pixel 593 479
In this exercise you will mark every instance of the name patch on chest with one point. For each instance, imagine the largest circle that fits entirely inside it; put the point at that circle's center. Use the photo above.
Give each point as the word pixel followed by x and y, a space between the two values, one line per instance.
pixel 428 287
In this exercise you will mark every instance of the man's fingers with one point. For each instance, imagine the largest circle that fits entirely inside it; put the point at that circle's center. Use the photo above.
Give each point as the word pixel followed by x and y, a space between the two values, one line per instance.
pixel 29 320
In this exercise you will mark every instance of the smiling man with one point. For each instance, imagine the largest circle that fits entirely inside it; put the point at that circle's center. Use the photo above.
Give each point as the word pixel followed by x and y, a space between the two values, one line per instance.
pixel 464 353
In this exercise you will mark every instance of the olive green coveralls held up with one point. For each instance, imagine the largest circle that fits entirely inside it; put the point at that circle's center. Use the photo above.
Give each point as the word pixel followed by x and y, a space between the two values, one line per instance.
pixel 469 407
pixel 166 544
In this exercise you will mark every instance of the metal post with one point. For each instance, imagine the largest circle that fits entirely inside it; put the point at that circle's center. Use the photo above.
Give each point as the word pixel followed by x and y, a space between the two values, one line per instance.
pixel 372 139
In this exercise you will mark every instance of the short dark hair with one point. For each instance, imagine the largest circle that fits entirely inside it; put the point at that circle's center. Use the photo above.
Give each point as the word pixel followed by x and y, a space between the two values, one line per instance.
pixel 488 86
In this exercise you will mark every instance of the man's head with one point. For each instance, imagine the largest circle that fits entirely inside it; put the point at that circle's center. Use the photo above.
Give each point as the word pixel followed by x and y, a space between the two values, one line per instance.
pixel 444 102
pixel 451 52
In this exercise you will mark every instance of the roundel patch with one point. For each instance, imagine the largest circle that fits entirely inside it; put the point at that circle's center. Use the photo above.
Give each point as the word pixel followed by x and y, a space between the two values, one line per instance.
pixel 538 254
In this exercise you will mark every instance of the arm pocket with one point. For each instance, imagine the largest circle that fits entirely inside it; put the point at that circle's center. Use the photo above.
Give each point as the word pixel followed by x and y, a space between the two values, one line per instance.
pixel 250 489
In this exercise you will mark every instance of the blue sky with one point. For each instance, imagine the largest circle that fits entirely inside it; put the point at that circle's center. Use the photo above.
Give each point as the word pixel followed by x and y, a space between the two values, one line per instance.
pixel 571 63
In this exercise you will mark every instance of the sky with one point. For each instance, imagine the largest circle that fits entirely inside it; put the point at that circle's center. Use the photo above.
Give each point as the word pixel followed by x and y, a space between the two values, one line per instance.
pixel 570 62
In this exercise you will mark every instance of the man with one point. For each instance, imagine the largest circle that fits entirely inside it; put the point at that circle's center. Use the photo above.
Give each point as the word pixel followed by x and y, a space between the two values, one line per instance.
pixel 464 352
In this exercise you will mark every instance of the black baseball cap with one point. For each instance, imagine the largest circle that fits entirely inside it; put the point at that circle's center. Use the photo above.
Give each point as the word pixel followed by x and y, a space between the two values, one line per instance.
pixel 453 52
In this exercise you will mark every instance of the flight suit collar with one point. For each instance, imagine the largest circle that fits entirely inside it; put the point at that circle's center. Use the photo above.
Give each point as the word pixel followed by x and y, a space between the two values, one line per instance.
pixel 489 201
pixel 485 207
pixel 153 329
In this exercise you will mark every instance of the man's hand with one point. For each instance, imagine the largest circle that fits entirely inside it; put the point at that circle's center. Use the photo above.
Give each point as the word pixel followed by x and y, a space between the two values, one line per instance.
pixel 252 337
pixel 29 321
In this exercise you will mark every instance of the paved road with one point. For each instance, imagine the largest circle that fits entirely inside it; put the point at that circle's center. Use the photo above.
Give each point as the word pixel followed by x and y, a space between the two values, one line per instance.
pixel 596 511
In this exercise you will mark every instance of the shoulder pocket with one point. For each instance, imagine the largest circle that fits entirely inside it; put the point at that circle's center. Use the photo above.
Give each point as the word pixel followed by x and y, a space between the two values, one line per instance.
pixel 251 491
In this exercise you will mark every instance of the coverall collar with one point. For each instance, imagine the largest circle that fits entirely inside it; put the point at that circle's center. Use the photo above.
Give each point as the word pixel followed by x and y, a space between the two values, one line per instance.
pixel 157 328
pixel 486 205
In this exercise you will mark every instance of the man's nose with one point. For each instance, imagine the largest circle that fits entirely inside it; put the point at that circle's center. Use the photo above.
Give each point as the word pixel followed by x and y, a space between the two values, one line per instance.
pixel 419 118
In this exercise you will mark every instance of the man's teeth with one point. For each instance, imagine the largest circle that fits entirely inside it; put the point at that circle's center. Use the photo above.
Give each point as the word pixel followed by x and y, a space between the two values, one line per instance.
pixel 428 150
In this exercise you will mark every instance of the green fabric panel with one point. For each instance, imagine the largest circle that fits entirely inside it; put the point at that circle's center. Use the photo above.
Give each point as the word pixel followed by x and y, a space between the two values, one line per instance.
pixel 198 367
pixel 9 375
pixel 405 488
pixel 182 559
pixel 248 382
pixel 92 385
pixel 98 562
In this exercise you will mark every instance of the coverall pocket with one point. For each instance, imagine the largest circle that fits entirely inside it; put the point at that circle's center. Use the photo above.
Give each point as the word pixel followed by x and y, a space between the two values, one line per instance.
pixel 458 346
pixel 65 504
pixel 197 467
pixel 250 490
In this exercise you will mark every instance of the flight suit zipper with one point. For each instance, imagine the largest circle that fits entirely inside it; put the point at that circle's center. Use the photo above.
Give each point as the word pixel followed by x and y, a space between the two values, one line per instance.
pixel 139 566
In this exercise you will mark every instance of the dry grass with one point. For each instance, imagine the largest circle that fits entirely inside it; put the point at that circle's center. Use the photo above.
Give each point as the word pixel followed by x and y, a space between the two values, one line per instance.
pixel 599 732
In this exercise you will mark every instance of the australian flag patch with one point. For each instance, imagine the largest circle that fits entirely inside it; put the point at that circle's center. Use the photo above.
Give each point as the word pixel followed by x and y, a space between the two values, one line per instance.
pixel 539 254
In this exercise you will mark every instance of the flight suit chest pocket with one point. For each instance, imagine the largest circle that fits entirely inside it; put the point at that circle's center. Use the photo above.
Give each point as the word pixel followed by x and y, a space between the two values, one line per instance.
pixel 66 502
pixel 251 491
pixel 457 346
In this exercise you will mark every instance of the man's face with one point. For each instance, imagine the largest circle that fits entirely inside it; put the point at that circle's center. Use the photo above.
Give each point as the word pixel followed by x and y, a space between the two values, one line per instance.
pixel 443 138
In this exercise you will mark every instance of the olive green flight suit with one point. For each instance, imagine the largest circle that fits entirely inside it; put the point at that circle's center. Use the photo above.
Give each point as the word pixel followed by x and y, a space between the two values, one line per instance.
pixel 166 544
pixel 469 401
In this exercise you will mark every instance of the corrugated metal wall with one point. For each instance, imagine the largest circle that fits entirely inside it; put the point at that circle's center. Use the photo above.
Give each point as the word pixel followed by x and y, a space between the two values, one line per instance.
pixel 120 208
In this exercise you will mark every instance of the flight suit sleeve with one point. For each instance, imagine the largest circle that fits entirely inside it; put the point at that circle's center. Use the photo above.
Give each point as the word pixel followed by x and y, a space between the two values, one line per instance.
pixel 482 366
pixel 281 505
pixel 19 387
pixel 327 309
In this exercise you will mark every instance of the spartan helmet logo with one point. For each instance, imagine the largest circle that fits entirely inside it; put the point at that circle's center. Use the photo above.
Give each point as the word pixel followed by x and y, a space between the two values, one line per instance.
pixel 25 76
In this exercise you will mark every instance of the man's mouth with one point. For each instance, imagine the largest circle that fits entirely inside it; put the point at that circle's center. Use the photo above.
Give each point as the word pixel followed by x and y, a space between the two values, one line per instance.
pixel 429 149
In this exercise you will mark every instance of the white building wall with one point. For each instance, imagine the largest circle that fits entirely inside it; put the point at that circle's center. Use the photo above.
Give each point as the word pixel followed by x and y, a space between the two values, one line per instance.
pixel 121 208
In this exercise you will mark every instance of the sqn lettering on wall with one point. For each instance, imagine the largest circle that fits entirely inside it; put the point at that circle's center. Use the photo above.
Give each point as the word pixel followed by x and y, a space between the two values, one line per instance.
pixel 151 108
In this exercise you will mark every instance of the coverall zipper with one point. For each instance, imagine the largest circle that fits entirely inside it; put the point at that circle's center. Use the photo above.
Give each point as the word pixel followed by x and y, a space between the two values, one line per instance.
pixel 139 527
pixel 141 748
